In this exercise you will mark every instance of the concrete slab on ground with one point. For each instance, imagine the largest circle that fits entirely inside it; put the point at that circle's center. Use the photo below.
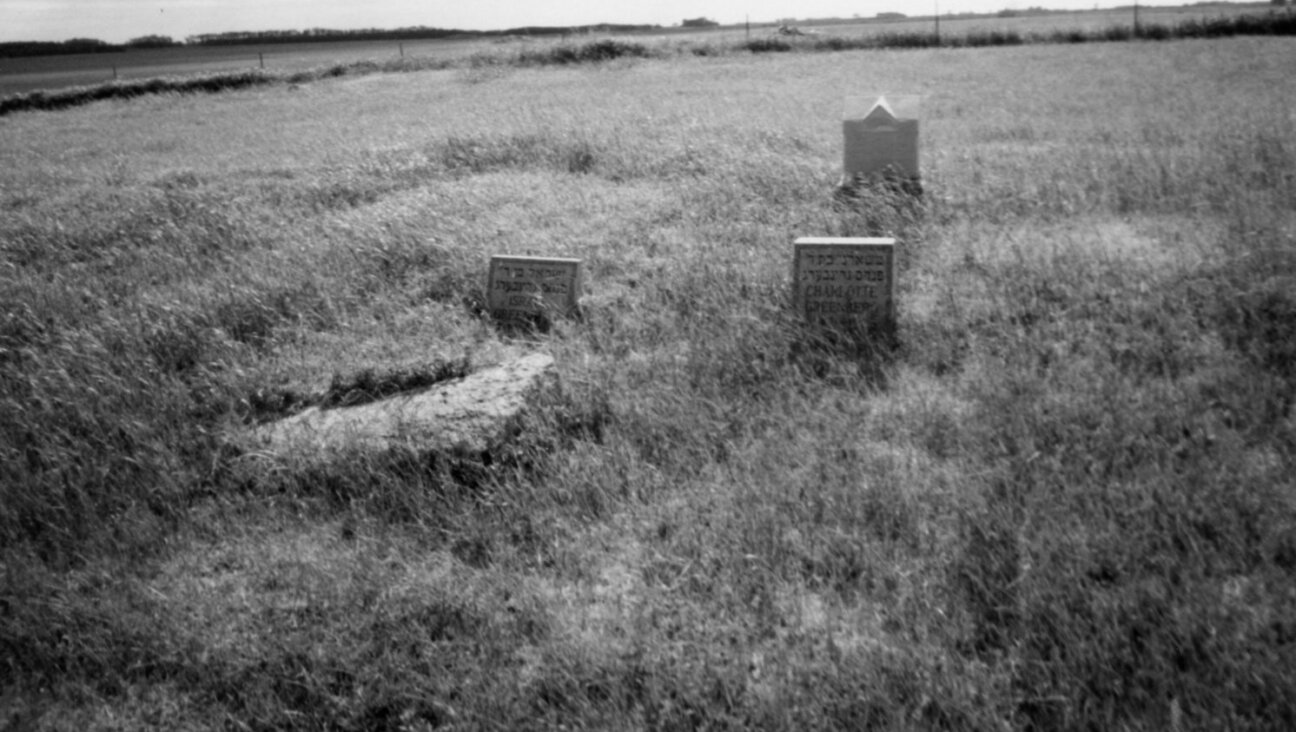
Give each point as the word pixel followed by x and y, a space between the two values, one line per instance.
pixel 469 415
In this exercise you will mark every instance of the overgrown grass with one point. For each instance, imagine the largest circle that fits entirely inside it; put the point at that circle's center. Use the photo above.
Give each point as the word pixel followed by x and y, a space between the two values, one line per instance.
pixel 1063 501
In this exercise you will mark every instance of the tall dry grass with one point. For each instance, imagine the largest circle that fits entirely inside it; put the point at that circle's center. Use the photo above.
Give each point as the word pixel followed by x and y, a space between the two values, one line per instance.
pixel 1063 501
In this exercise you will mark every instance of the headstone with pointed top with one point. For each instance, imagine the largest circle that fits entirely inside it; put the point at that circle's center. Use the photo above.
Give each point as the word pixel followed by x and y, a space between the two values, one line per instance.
pixel 881 139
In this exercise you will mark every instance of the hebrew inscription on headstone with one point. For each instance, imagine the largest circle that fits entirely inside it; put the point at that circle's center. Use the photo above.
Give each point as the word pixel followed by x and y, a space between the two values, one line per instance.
pixel 845 282
pixel 882 137
pixel 529 287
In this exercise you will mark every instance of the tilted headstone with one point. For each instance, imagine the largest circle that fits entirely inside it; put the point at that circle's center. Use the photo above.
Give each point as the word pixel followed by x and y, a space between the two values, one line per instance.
pixel 530 287
pixel 882 138
pixel 847 283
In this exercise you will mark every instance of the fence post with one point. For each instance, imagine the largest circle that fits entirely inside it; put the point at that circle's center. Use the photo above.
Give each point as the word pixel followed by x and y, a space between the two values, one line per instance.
pixel 402 50
pixel 261 56
pixel 114 72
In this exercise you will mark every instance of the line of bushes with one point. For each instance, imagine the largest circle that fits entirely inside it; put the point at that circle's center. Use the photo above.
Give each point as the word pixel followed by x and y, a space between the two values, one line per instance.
pixel 1274 24
pixel 77 96
pixel 592 52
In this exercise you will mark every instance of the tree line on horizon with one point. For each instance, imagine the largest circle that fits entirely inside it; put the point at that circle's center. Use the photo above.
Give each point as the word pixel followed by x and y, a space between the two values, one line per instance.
pixel 311 35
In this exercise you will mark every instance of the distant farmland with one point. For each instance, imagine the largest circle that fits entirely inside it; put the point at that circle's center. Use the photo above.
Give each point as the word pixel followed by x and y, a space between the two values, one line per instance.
pixel 1084 20
pixel 19 75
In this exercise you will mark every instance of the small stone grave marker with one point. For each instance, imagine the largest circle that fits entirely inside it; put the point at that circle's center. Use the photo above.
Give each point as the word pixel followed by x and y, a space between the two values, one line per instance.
pixel 523 288
pixel 882 138
pixel 848 283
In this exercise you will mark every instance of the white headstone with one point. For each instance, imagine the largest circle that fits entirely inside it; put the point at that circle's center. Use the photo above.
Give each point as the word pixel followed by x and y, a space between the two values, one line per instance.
pixel 845 282
pixel 526 287
pixel 882 137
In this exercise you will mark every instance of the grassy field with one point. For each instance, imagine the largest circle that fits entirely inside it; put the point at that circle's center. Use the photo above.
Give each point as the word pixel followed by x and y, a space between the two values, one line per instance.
pixel 1064 501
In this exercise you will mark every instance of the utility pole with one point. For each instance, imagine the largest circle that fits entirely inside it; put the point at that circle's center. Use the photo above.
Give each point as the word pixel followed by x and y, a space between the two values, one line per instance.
pixel 937 5
pixel 1136 19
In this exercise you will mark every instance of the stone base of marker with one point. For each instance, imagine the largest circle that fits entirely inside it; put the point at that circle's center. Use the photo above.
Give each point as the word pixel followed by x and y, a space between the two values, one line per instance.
pixel 468 418
pixel 854 188
pixel 890 207
pixel 865 338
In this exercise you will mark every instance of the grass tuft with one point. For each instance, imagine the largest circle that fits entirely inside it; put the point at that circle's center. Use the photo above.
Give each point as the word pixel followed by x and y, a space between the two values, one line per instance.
pixel 368 385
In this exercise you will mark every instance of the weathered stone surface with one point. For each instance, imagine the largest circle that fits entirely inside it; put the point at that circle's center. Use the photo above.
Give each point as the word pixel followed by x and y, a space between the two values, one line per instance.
pixel 532 286
pixel 845 281
pixel 882 141
pixel 467 415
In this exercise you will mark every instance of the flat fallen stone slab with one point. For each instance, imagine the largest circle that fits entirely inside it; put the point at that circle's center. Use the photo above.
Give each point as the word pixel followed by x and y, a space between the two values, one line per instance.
pixel 467 415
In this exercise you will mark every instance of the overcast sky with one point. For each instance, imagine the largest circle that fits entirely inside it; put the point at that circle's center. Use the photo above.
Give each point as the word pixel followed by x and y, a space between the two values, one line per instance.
pixel 116 21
